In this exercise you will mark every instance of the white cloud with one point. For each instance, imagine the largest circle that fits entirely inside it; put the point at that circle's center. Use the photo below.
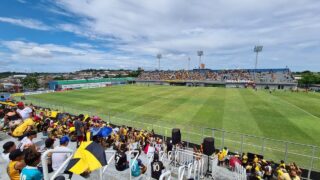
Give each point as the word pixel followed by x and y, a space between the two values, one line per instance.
pixel 133 32
pixel 28 23
pixel 22 1
pixel 223 29
pixel 54 57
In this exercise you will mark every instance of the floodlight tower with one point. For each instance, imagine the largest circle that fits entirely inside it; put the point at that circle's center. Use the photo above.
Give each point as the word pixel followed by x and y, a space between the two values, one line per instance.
pixel 159 56
pixel 256 49
pixel 200 53
pixel 189 63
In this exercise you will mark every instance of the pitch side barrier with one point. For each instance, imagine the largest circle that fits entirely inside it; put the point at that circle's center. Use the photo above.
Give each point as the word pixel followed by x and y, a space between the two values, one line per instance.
pixel 304 155
pixel 60 171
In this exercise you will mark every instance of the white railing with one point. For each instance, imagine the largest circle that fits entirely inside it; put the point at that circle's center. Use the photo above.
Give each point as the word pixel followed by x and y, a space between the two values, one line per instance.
pixel 214 167
pixel 240 172
pixel 161 155
pixel 181 172
pixel 165 174
pixel 190 168
pixel 44 163
pixel 102 171
pixel 193 161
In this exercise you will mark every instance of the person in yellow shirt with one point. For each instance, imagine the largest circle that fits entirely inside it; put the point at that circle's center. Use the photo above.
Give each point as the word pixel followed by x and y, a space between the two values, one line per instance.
pixel 282 164
pixel 16 164
pixel 283 175
pixel 220 158
pixel 26 126
pixel 244 159
pixel 255 159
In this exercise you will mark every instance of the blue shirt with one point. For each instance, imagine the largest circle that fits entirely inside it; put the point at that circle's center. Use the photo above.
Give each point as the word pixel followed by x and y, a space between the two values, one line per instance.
pixel 30 173
pixel 135 167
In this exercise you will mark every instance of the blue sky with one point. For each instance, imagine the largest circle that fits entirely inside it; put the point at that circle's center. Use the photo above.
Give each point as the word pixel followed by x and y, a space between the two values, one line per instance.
pixel 68 35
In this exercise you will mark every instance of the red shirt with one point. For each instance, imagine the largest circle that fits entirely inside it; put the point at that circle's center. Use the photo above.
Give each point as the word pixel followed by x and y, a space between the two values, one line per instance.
pixel 233 161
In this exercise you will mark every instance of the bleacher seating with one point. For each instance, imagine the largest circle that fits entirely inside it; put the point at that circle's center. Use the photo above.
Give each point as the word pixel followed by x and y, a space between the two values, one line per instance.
pixel 236 75
pixel 180 163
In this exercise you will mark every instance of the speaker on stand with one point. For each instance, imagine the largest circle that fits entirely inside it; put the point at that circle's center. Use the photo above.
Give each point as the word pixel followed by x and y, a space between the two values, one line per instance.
pixel 208 149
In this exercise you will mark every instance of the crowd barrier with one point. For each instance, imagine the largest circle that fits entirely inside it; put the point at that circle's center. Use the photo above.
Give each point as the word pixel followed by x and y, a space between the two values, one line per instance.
pixel 306 156
pixel 102 171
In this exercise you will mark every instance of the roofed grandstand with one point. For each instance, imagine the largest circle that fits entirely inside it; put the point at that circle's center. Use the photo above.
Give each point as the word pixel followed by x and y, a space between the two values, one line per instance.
pixel 257 78
pixel 235 75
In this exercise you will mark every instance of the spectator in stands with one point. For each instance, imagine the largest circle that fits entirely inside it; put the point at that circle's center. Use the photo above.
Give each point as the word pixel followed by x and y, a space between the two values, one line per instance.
pixel 59 158
pixel 220 158
pixel 27 141
pixel 79 129
pixel 12 118
pixel 31 172
pixel 8 147
pixel 25 127
pixel 244 159
pixel 282 164
pixel 16 164
pixel 156 167
pixel 120 158
pixel 48 145
pixel 267 171
pixel 137 167
pixel 234 160
pixel 25 112
pixel 283 174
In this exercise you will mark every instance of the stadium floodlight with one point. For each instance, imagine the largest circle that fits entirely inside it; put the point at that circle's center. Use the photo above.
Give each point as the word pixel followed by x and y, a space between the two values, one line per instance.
pixel 256 49
pixel 200 53
pixel 159 56
pixel 189 63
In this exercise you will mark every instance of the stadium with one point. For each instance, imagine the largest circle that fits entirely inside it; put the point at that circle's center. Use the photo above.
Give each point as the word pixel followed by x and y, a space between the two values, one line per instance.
pixel 262 117
pixel 164 90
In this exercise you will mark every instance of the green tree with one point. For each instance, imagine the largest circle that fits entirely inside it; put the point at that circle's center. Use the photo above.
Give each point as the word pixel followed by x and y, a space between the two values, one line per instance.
pixel 30 82
pixel 308 78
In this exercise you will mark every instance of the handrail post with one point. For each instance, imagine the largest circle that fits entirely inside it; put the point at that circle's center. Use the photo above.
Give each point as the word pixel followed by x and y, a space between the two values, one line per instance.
pixel 212 133
pixel 45 163
pixel 181 172
pixel 242 139
pixel 202 133
pixel 286 152
pixel 165 174
pixel 312 161
pixel 222 140
pixel 262 147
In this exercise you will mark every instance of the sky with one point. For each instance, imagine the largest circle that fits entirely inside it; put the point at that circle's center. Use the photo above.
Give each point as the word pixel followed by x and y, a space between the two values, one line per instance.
pixel 69 35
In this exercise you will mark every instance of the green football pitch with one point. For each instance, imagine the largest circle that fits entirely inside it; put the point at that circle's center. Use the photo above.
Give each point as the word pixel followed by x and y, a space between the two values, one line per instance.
pixel 281 115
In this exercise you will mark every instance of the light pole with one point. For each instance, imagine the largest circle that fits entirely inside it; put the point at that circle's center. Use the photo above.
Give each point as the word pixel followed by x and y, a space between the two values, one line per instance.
pixel 256 49
pixel 200 53
pixel 188 63
pixel 159 56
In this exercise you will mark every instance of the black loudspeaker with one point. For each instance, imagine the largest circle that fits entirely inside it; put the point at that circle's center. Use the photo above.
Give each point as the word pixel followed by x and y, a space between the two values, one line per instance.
pixel 176 136
pixel 208 146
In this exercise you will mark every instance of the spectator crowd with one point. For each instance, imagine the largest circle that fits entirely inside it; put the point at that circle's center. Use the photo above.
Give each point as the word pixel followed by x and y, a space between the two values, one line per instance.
pixel 23 158
pixel 237 75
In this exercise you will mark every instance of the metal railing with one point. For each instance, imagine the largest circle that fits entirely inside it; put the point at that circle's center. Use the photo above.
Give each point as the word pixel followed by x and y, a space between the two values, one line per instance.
pixel 166 174
pixel 44 163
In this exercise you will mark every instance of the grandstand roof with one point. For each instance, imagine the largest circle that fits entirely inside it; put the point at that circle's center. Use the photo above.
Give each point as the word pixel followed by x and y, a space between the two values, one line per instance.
pixel 249 70
pixel 84 81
